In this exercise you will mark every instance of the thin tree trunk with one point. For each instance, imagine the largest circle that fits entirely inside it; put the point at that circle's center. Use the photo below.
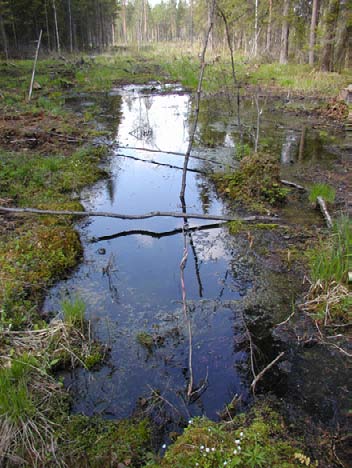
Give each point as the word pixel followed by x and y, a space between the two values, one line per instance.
pixel 4 37
pixel 329 37
pixel 47 25
pixel 284 33
pixel 256 29
pixel 34 65
pixel 56 29
pixel 312 32
pixel 343 34
pixel 145 20
pixel 124 25
pixel 70 25
pixel 268 33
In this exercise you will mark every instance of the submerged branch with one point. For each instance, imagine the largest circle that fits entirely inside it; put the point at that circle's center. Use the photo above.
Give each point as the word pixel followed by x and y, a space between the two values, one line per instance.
pixel 262 372
pixel 152 214
pixel 174 153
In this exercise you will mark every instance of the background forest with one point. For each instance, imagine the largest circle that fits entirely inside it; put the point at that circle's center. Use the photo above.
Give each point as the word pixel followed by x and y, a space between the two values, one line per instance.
pixel 302 31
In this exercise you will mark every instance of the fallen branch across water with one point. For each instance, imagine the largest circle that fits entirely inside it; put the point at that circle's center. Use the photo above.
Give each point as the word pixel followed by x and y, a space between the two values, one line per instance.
pixel 152 214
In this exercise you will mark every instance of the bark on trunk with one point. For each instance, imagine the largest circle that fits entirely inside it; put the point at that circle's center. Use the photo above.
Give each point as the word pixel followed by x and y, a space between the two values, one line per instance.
pixel 328 42
pixel 312 32
pixel 4 37
pixel 285 33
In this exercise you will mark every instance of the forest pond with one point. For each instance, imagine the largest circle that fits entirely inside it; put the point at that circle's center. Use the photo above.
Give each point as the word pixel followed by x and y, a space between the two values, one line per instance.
pixel 129 278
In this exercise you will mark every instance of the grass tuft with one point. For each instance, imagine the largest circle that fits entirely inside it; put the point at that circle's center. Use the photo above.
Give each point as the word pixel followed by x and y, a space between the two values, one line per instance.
pixel 73 312
pixel 322 190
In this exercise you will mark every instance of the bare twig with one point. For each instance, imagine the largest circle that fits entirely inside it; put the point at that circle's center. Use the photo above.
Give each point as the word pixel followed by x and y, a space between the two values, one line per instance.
pixel 262 372
pixel 287 320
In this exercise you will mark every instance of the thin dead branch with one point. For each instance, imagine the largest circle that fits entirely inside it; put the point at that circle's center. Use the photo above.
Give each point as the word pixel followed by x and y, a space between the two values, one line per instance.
pixel 262 372
pixel 152 214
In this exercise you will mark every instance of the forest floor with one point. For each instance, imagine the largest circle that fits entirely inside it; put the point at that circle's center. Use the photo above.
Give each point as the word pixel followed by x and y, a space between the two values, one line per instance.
pixel 46 157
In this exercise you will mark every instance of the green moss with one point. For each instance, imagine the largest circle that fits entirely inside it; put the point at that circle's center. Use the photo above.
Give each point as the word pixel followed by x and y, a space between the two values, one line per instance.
pixel 251 440
pixel 266 226
pixel 32 258
pixel 256 181
pixel 95 442
pixel 235 227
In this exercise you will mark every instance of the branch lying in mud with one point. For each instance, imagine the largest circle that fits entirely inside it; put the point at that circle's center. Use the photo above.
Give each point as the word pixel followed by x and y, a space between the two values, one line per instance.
pixel 324 210
pixel 262 372
pixel 293 184
pixel 152 214
pixel 171 166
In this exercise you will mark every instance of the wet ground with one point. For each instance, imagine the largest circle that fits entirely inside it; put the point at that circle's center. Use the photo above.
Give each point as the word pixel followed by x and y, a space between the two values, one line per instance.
pixel 130 274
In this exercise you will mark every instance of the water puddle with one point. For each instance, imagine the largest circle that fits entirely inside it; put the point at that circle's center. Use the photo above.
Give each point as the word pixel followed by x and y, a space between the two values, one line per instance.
pixel 130 275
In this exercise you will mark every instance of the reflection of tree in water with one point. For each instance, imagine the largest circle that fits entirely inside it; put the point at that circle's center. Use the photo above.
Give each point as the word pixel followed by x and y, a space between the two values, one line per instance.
pixel 110 271
pixel 142 129
pixel 204 195
pixel 206 134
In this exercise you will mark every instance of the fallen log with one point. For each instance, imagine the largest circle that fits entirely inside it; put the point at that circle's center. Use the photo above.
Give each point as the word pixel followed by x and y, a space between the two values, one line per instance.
pixel 322 205
pixel 152 214
pixel 293 184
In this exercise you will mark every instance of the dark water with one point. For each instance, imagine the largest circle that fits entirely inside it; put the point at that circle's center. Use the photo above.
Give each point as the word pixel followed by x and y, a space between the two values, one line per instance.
pixel 130 275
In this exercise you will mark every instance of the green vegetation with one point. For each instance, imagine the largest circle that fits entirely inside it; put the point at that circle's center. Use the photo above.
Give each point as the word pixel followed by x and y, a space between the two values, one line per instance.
pixel 256 182
pixel 96 442
pixel 322 190
pixel 29 400
pixel 73 312
pixel 330 297
pixel 33 256
pixel 145 340
pixel 252 440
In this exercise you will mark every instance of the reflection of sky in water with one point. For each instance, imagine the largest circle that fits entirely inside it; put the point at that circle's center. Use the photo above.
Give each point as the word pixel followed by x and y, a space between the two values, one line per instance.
pixel 142 292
